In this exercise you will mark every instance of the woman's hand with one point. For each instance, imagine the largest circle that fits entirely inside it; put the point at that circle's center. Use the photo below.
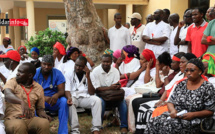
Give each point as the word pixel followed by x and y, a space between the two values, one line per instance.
pixel 160 103
pixel 188 116
pixel 173 114
pixel 149 64
pixel 165 70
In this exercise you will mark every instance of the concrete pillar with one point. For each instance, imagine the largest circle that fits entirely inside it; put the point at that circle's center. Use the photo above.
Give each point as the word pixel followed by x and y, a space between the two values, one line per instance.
pixel 11 29
pixel 129 11
pixel 17 29
pixel 3 28
pixel 105 18
pixel 31 18
pixel 212 3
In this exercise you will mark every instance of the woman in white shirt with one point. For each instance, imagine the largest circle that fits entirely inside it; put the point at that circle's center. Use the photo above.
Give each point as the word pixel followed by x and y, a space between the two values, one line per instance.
pixel 130 56
pixel 6 45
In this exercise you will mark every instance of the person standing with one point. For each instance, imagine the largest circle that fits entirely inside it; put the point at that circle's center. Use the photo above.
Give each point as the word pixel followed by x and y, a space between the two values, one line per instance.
pixel 149 18
pixel 182 31
pixel 195 33
pixel 136 31
pixel 173 21
pixel 118 35
pixel 156 34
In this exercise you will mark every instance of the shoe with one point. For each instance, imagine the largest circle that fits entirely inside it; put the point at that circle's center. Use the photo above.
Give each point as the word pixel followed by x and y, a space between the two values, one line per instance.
pixel 96 132
pixel 124 130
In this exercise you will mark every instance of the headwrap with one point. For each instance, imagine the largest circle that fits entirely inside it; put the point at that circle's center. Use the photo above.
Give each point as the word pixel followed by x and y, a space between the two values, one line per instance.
pixel 131 50
pixel 109 51
pixel 48 59
pixel 71 50
pixel 8 39
pixel 117 53
pixel 189 56
pixel 60 48
pixel 21 47
pixel 210 59
pixel 35 49
pixel 198 63
pixel 175 58
pixel 148 54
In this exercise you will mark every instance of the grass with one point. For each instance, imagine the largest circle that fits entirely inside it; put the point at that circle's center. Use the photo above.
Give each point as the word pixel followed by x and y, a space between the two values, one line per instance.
pixel 85 125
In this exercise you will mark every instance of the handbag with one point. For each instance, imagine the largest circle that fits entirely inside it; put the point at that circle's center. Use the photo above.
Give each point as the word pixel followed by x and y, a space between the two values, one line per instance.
pixel 124 82
pixel 149 87
pixel 111 95
pixel 208 125
pixel 150 95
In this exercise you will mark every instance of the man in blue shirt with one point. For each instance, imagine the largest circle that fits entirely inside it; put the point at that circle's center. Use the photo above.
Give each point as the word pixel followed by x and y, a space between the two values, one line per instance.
pixel 53 83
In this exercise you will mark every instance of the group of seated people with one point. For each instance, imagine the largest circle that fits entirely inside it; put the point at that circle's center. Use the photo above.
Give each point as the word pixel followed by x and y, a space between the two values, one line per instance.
pixel 64 81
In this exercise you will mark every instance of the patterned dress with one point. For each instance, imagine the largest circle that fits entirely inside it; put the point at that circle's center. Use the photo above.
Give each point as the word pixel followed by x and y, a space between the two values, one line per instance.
pixel 200 99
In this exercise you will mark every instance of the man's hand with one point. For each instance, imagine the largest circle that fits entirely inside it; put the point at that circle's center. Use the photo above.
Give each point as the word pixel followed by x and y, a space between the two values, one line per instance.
pixel 42 114
pixel 115 86
pixel 47 99
pixel 86 69
pixel 26 110
pixel 53 100
pixel 181 24
pixel 69 101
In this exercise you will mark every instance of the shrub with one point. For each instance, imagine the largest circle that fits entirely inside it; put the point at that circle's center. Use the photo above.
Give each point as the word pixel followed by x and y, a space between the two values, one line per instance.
pixel 45 40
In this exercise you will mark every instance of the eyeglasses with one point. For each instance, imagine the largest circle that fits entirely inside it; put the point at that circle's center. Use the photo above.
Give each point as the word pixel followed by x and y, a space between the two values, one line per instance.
pixel 190 70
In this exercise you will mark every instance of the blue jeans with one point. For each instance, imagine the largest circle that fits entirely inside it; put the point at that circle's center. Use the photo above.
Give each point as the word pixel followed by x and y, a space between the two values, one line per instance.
pixel 123 110
pixel 63 113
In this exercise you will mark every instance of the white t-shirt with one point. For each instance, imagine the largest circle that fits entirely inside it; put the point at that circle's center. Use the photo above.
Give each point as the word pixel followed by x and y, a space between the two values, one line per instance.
pixel 3 49
pixel 119 37
pixel 173 47
pixel 136 39
pixel 58 63
pixel 13 73
pixel 69 66
pixel 76 87
pixel 182 36
pixel 212 80
pixel 102 79
pixel 161 29
pixel 4 71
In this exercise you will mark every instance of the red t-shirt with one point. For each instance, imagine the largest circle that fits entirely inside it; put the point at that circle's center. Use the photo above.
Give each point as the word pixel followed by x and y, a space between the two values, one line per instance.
pixel 194 35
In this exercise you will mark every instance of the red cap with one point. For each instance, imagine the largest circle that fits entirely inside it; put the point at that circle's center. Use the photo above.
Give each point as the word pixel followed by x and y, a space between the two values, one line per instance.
pixel 12 54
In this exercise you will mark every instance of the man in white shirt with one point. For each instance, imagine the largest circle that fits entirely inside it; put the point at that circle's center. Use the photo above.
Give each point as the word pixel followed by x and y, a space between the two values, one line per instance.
pixel 156 34
pixel 107 78
pixel 80 93
pixel 118 35
pixel 173 21
pixel 11 61
pixel 182 31
pixel 136 31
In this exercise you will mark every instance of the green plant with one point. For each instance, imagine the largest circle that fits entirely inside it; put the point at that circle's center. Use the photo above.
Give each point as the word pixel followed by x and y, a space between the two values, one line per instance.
pixel 45 40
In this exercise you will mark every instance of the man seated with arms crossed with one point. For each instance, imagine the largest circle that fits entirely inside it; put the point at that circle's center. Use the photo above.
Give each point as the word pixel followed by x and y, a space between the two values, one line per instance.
pixel 53 83
pixel 80 93
pixel 107 78
pixel 23 97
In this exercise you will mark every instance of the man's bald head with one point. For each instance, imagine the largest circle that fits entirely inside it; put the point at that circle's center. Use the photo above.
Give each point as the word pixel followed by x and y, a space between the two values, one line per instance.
pixel 158 14
pixel 175 17
pixel 149 18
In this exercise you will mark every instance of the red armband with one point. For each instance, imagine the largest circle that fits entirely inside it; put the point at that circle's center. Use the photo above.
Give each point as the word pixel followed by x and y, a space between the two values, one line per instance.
pixel 209 38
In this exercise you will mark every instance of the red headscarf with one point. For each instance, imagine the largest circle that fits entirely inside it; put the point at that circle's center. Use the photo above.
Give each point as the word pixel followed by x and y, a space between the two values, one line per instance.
pixel 21 47
pixel 60 48
pixel 148 54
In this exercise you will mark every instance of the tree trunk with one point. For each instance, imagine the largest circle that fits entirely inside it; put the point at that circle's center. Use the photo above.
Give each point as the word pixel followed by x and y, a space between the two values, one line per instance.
pixel 85 28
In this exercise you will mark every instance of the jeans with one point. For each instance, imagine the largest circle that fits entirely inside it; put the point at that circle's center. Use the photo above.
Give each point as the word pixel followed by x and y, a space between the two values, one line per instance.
pixel 123 110
pixel 63 113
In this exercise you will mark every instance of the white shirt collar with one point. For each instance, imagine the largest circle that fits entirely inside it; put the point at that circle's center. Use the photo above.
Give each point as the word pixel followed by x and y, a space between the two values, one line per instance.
pixel 203 23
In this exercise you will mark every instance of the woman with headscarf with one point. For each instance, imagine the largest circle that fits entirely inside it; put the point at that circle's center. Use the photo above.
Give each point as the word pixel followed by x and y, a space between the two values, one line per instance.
pixel 58 52
pixel 208 60
pixel 6 45
pixel 116 56
pixel 195 95
pixel 23 53
pixel 35 52
pixel 130 56
pixel 69 60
